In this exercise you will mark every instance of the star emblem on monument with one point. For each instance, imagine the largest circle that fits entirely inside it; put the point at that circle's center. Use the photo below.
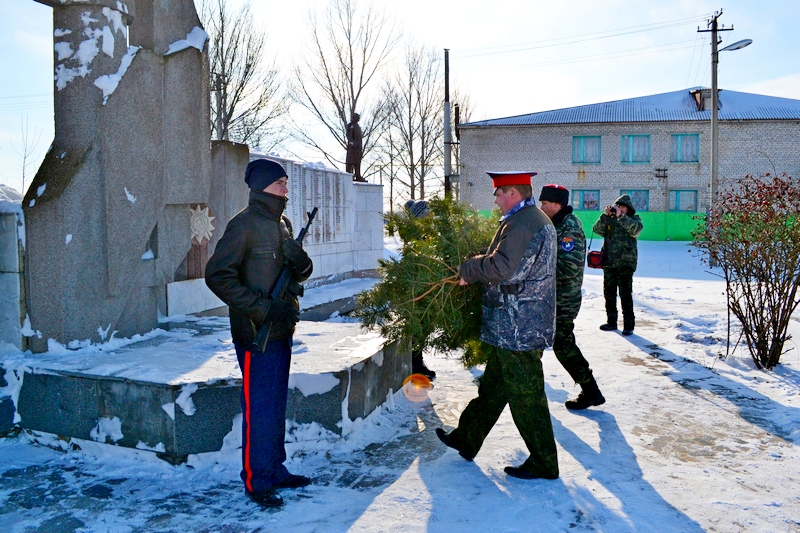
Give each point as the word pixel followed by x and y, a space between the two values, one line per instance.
pixel 200 224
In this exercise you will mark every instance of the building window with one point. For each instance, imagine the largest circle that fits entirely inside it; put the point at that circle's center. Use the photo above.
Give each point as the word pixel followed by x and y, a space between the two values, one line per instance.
pixel 586 200
pixel 683 200
pixel 635 149
pixel 639 198
pixel 685 148
pixel 586 149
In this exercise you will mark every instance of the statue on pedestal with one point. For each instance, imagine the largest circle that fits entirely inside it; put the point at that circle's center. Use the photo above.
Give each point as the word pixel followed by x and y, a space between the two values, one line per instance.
pixel 354 148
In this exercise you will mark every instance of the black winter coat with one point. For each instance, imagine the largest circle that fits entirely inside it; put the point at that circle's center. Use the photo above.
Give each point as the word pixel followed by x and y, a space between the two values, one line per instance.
pixel 246 263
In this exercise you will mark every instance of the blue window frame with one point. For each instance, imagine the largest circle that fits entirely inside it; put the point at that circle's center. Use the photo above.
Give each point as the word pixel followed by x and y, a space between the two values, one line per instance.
pixel 640 198
pixel 586 149
pixel 635 149
pixel 685 148
pixel 683 200
pixel 586 200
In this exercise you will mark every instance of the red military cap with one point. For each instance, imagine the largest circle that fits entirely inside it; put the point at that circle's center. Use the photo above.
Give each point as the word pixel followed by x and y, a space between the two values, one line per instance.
pixel 501 179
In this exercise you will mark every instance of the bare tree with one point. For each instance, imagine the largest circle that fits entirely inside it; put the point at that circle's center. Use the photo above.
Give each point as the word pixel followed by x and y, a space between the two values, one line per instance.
pixel 385 152
pixel 753 232
pixel 415 97
pixel 26 150
pixel 348 47
pixel 247 96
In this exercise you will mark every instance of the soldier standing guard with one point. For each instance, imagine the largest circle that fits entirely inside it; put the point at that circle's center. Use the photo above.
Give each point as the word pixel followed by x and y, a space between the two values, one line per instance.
pixel 569 279
pixel 517 323
pixel 248 260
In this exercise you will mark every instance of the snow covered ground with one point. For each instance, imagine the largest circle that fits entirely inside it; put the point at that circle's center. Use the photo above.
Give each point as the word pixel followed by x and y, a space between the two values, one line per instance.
pixel 686 442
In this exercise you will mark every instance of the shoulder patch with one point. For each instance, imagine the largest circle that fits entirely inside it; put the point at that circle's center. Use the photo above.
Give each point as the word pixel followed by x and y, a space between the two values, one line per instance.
pixel 567 244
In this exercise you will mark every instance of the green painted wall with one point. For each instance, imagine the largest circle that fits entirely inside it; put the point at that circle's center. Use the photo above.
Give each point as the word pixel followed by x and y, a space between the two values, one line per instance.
pixel 658 226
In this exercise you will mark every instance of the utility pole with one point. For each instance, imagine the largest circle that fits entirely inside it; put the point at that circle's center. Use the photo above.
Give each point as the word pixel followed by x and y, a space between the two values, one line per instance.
pixel 448 139
pixel 713 24
pixel 218 89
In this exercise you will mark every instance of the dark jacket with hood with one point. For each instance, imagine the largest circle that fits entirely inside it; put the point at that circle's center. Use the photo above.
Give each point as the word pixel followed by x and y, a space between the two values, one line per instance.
pixel 246 263
pixel 620 234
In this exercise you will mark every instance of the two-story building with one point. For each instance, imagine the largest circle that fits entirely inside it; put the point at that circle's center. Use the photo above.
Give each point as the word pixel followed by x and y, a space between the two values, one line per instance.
pixel 655 148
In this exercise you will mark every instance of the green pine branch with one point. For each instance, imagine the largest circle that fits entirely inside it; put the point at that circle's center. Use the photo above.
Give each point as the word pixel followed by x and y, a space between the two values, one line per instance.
pixel 418 297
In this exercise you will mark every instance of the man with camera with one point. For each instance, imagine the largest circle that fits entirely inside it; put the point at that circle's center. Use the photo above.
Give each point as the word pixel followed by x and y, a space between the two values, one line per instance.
pixel 620 226
pixel 571 257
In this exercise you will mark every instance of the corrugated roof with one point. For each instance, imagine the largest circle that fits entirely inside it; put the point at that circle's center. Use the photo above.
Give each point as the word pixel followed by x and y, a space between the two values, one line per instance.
pixel 666 107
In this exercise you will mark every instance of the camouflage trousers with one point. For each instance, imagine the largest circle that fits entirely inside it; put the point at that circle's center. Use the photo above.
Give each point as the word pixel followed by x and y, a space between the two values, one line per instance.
pixel 568 353
pixel 515 379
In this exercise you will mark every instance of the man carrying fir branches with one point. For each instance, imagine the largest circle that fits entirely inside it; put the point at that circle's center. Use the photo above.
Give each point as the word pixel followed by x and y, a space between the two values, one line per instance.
pixel 517 323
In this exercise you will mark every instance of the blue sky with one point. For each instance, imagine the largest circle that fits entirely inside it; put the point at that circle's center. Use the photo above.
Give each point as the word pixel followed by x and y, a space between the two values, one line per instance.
pixel 512 57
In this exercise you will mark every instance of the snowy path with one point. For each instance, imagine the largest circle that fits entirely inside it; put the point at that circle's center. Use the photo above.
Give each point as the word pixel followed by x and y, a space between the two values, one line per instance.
pixel 678 447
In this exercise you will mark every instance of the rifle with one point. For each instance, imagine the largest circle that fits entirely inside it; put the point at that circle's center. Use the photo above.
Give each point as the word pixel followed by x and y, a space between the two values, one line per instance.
pixel 283 284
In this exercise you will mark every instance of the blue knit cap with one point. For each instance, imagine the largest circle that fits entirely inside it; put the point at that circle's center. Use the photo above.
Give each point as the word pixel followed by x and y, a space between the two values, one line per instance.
pixel 262 173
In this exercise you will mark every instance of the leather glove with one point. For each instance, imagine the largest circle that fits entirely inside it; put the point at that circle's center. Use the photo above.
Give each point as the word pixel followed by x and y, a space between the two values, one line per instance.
pixel 295 254
pixel 283 312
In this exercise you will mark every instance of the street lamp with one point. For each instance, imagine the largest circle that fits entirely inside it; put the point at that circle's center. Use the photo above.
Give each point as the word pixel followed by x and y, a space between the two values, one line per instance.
pixel 715 105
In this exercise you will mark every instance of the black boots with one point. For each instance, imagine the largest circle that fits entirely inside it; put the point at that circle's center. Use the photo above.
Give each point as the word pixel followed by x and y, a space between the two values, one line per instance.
pixel 445 438
pixel 590 395
pixel 265 498
pixel 520 472
pixel 418 366
pixel 627 327
pixel 294 482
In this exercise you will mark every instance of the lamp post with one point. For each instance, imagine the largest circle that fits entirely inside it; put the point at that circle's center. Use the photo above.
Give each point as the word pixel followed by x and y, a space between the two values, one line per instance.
pixel 714 29
pixel 715 108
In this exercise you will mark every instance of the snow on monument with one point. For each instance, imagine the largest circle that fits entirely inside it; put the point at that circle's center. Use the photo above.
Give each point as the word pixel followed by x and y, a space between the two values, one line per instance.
pixel 131 157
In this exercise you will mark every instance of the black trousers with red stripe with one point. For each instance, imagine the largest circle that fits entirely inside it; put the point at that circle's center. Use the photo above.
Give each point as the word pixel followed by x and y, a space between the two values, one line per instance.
pixel 265 388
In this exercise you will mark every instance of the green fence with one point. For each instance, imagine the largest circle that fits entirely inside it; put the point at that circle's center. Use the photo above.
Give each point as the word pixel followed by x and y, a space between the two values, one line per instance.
pixel 658 226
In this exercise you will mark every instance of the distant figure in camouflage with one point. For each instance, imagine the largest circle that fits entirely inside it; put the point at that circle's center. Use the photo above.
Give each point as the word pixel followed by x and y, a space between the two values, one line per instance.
pixel 620 226
pixel 517 324
pixel 569 278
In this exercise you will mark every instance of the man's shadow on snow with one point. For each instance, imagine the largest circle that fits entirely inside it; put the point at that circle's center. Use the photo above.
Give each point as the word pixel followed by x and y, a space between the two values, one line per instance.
pixel 753 406
pixel 616 467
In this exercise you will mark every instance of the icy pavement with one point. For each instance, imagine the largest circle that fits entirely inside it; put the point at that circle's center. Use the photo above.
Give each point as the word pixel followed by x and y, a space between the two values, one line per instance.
pixel 686 442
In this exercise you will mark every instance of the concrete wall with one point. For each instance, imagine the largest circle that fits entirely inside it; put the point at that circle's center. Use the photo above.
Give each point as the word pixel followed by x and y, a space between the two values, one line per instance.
pixel 747 147
pixel 108 212
pixel 71 404
pixel 345 240
pixel 12 297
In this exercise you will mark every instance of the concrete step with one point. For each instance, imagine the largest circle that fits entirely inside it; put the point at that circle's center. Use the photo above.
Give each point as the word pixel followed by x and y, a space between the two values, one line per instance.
pixel 177 392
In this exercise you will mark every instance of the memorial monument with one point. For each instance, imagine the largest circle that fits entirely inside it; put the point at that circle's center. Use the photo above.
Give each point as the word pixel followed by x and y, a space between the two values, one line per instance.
pixel 108 214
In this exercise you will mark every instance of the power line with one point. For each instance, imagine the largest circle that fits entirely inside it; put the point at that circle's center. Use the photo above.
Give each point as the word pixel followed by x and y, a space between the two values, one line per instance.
pixel 576 38
pixel 619 54
pixel 25 96
pixel 25 102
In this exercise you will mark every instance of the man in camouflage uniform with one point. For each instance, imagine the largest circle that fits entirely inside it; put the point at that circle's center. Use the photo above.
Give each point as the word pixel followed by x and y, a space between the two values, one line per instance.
pixel 517 324
pixel 569 278
pixel 620 226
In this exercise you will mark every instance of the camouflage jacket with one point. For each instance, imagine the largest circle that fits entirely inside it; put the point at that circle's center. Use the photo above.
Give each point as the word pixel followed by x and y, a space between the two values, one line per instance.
pixel 519 269
pixel 619 245
pixel 571 259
